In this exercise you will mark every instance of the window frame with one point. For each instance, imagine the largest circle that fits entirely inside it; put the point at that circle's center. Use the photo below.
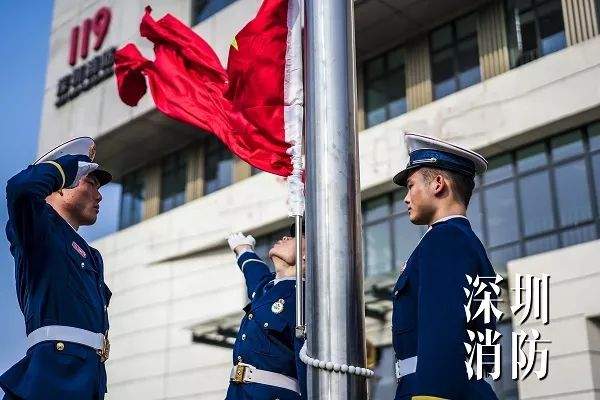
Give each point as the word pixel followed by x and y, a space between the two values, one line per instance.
pixel 386 73
pixel 212 143
pixel 453 45
pixel 134 177
pixel 510 15
pixel 181 161
pixel 585 155
pixel 550 166
pixel 389 219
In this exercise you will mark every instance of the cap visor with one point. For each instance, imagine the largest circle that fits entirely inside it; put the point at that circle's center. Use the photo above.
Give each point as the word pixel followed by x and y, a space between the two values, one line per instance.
pixel 103 176
pixel 402 176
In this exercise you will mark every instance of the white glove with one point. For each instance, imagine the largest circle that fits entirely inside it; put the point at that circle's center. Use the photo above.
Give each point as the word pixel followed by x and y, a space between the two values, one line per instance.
pixel 83 168
pixel 238 239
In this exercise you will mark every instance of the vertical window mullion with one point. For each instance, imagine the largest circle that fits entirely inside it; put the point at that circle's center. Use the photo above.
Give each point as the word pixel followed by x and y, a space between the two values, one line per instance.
pixel 390 219
pixel 553 191
pixel 520 222
pixel 590 176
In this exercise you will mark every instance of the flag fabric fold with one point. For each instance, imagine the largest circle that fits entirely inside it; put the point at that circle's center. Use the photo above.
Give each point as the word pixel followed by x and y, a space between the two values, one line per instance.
pixel 255 106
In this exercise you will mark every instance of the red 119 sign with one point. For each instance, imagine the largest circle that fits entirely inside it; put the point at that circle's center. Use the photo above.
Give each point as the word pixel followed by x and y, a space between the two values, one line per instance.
pixel 98 25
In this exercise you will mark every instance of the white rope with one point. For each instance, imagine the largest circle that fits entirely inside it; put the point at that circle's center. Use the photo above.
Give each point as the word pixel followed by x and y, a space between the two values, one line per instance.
pixel 335 367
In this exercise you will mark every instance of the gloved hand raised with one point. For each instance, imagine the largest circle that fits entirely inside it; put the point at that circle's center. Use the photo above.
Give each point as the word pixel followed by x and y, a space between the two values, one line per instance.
pixel 238 242
pixel 75 167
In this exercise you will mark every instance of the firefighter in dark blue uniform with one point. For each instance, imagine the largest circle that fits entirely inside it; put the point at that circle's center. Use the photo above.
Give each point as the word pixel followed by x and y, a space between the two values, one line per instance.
pixel 429 323
pixel 59 277
pixel 266 361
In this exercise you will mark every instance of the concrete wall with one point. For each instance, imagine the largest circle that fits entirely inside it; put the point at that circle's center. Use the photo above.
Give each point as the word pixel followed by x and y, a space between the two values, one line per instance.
pixel 574 327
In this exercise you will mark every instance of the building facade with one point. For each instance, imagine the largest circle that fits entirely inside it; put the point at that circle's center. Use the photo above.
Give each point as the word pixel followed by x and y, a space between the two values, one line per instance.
pixel 516 80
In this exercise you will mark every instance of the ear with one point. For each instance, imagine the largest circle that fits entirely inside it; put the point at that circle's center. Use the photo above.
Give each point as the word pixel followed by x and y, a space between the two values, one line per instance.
pixel 438 184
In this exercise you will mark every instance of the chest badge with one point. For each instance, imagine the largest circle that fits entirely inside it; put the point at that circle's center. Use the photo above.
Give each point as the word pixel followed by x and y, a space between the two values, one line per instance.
pixel 277 307
pixel 79 249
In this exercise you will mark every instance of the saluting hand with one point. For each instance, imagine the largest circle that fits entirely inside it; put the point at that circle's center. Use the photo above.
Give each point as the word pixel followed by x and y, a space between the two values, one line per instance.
pixel 238 242
pixel 75 167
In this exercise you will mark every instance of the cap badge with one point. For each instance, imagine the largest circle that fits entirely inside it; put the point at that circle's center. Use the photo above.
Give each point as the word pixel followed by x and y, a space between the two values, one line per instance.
pixel 277 307
pixel 92 151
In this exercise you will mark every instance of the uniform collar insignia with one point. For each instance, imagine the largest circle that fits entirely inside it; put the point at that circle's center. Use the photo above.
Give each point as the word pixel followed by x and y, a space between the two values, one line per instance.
pixel 78 249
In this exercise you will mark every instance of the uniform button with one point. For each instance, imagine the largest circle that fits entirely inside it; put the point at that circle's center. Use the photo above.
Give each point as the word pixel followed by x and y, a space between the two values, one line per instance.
pixel 266 324
pixel 250 316
pixel 82 265
pixel 253 294
pixel 243 336
pixel 60 346
pixel 396 293
pixel 240 358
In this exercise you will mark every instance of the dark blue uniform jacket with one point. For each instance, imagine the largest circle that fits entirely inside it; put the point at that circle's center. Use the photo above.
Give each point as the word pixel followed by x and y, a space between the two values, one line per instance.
pixel 59 280
pixel 267 339
pixel 429 319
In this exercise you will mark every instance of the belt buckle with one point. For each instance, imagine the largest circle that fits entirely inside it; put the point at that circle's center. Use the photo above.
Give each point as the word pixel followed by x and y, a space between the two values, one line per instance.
pixel 105 350
pixel 240 372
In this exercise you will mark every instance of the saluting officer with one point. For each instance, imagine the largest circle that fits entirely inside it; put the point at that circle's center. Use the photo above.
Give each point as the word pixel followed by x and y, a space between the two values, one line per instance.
pixel 266 357
pixel 429 324
pixel 59 277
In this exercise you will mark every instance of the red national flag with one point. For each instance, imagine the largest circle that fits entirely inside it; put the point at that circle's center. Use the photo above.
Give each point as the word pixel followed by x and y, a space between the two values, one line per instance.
pixel 252 107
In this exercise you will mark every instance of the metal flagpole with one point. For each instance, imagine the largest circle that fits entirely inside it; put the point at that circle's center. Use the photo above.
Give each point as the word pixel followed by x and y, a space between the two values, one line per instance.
pixel 300 329
pixel 335 304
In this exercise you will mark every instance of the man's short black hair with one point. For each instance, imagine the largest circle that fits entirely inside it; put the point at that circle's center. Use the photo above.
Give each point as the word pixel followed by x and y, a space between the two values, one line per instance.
pixel 462 185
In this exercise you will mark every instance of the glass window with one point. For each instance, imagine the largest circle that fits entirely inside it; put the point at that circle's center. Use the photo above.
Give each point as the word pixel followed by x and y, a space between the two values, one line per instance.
pixel 378 249
pixel 532 157
pixel 475 215
pixel 376 209
pixel 203 9
pixel 531 200
pixel 173 181
pixel 573 192
pixel 578 235
pixel 500 256
pixel 502 224
pixel 218 166
pixel 596 172
pixel 388 235
pixel 535 29
pixel 406 238
pixel 132 199
pixel 536 203
pixel 567 145
pixel 594 134
pixel 454 56
pixel 385 87
pixel 499 168
pixel 541 244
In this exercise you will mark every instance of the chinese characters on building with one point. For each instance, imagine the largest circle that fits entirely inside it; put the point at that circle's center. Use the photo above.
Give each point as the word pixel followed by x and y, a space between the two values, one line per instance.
pixel 481 309
pixel 85 77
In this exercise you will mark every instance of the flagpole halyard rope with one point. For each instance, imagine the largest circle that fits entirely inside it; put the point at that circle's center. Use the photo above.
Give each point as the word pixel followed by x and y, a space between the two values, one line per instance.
pixel 335 367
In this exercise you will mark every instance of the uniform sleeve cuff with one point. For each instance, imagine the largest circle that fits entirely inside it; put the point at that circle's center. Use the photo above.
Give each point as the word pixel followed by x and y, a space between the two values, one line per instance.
pixel 243 252
pixel 60 169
